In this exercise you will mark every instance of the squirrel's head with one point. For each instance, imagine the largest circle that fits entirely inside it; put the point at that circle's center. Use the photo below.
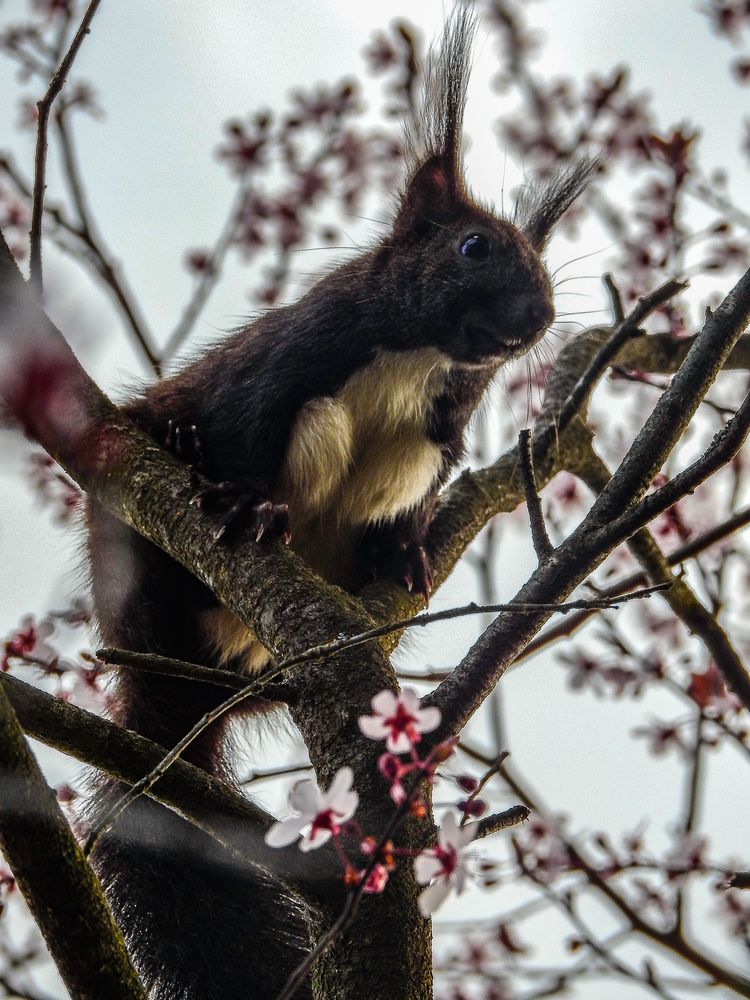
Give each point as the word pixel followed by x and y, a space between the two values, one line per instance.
pixel 476 281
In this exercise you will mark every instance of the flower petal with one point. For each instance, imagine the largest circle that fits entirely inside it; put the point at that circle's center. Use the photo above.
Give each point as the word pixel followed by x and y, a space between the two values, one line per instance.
pixel 340 787
pixel 427 867
pixel 400 743
pixel 428 719
pixel 286 831
pixel 448 834
pixel 432 897
pixel 466 834
pixel 318 837
pixel 410 700
pixel 459 877
pixel 305 797
pixel 373 727
pixel 384 703
pixel 346 809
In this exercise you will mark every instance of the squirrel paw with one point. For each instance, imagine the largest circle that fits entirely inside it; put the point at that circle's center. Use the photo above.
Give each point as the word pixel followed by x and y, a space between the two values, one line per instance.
pixel 410 565
pixel 239 505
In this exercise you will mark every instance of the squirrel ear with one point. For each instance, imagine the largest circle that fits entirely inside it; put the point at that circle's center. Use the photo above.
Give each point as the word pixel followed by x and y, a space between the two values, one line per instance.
pixel 431 193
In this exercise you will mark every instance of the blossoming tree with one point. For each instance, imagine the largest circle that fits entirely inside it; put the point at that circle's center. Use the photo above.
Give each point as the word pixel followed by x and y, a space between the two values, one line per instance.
pixel 638 428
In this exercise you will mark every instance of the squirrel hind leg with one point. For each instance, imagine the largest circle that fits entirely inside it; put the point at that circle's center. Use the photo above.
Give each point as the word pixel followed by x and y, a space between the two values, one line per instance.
pixel 197 921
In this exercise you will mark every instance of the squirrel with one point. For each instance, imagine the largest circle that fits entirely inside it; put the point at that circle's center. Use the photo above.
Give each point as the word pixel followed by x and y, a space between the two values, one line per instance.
pixel 331 423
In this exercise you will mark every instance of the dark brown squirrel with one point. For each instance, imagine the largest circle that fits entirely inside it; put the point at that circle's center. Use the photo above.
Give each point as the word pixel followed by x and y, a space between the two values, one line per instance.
pixel 337 419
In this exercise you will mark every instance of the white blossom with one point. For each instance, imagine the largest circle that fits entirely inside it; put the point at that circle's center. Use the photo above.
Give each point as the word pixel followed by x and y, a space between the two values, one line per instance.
pixel 317 815
pixel 399 720
pixel 444 866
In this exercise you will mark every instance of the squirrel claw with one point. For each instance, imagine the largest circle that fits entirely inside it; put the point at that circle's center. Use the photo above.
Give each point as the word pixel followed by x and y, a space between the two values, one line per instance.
pixel 250 507
pixel 184 443
pixel 409 564
pixel 417 575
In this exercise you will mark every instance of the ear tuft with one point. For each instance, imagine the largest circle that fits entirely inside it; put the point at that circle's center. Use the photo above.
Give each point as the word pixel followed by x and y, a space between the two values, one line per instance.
pixel 434 143
pixel 540 207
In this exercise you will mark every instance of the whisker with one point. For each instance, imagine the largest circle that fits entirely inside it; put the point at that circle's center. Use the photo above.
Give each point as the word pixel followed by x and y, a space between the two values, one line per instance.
pixel 584 312
pixel 309 249
pixel 584 256
pixel 576 277
pixel 366 218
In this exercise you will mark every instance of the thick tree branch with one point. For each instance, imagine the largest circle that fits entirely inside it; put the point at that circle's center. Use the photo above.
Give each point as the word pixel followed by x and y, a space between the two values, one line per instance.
pixel 60 888
pixel 209 803
pixel 272 591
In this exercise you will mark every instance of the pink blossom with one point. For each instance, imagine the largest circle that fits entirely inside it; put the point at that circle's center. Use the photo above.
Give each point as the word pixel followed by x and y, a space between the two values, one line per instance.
pixel 393 771
pixel 319 815
pixel 443 866
pixel 82 687
pixel 399 720
pixel 30 643
pixel 376 880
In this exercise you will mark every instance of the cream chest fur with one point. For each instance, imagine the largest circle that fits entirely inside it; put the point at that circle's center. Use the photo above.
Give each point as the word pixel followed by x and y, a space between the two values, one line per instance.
pixel 355 458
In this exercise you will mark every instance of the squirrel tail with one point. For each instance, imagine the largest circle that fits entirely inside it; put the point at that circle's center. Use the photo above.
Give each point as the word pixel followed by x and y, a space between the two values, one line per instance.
pixel 197 922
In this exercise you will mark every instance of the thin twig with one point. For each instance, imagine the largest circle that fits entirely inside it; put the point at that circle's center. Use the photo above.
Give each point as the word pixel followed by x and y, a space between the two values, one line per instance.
pixel 153 663
pixel 725 445
pixel 669 939
pixel 44 107
pixel 273 772
pixel 319 652
pixel 501 821
pixel 352 901
pixel 629 327
pixel 694 780
pixel 565 902
pixel 491 771
pixel 208 279
pixel 618 311
pixel 97 254
pixel 679 555
pixel 541 540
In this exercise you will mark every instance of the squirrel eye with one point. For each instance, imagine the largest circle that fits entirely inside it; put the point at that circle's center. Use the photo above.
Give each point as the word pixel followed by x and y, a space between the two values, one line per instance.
pixel 475 247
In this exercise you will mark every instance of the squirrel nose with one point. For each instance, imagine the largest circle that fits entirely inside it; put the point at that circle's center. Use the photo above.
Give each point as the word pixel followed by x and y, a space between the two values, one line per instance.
pixel 541 313
pixel 529 315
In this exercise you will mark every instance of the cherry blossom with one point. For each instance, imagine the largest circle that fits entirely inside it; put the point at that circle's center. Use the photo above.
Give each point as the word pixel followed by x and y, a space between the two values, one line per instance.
pixel 443 866
pixel 399 720
pixel 376 880
pixel 319 815
pixel 394 772
pixel 30 643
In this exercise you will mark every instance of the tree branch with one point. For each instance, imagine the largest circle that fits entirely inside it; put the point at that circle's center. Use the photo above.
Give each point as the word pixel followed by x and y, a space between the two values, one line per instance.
pixel 460 694
pixel 60 888
pixel 676 557
pixel 212 805
pixel 541 541
pixel 44 107
pixel 680 597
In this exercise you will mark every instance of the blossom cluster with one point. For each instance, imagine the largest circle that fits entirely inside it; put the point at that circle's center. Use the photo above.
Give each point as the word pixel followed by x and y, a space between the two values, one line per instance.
pixel 319 817
pixel 31 645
